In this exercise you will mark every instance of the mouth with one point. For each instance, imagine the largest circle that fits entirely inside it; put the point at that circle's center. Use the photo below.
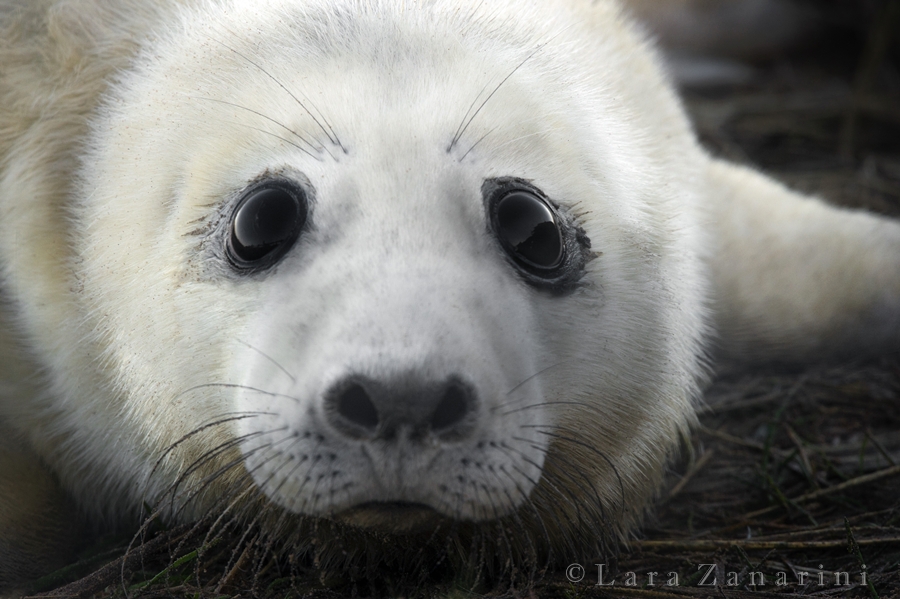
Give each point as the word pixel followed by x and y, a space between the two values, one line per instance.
pixel 393 517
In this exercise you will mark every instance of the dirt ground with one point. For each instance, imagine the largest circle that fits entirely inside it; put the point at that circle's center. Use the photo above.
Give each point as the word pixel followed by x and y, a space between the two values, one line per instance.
pixel 793 486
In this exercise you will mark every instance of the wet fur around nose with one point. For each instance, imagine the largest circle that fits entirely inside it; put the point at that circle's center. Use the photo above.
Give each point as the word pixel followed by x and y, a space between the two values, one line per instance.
pixel 396 352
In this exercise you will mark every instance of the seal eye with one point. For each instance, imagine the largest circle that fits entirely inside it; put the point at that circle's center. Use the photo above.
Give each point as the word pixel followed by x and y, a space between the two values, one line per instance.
pixel 529 230
pixel 264 226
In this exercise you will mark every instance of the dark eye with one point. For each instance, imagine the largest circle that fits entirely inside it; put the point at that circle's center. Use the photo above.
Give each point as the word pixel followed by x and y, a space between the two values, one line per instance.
pixel 264 226
pixel 529 230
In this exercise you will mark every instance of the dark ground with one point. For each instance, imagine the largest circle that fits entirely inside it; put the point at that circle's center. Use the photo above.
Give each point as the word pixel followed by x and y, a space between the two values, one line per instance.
pixel 792 473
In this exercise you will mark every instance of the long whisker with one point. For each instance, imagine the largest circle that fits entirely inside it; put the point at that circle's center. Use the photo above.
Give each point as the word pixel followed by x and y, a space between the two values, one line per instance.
pixel 237 386
pixel 270 119
pixel 573 439
pixel 462 129
pixel 269 358
pixel 526 501
pixel 543 404
pixel 535 375
pixel 329 131
pixel 465 117
pixel 306 477
pixel 538 516
pixel 521 137
pixel 227 418
pixel 566 494
pixel 210 455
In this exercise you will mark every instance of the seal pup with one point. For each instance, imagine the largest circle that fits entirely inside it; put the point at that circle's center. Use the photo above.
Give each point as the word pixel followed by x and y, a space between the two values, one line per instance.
pixel 383 266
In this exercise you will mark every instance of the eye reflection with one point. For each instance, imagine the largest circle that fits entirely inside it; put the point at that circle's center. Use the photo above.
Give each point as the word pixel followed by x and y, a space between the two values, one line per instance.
pixel 529 230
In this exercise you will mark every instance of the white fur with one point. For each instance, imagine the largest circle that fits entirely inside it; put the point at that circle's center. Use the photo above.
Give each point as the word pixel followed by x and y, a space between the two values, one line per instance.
pixel 140 334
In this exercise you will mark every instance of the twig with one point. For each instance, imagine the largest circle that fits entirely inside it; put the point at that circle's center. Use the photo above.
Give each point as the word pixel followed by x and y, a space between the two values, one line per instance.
pixel 854 549
pixel 112 572
pixel 853 482
pixel 694 469
pixel 713 545
pixel 804 458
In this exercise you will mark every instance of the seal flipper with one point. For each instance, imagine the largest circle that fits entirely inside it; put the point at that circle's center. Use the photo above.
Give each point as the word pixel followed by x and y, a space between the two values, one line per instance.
pixel 795 279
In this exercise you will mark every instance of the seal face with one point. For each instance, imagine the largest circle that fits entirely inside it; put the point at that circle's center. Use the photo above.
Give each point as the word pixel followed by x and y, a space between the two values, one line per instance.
pixel 342 266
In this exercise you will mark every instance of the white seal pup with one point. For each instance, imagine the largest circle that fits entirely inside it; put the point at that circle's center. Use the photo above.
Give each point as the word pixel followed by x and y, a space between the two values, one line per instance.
pixel 386 264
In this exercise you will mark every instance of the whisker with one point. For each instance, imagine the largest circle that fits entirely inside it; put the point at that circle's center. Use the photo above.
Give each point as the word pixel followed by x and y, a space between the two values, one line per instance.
pixel 237 386
pixel 226 418
pixel 205 482
pixel 521 528
pixel 236 498
pixel 544 471
pixel 261 485
pixel 269 358
pixel 538 516
pixel 485 515
pixel 587 489
pixel 307 477
pixel 207 457
pixel 564 495
pixel 458 132
pixel 462 129
pixel 529 378
pixel 541 405
pixel 271 120
pixel 591 448
pixel 521 137
pixel 329 132
pixel 289 475
pixel 477 141
pixel 276 136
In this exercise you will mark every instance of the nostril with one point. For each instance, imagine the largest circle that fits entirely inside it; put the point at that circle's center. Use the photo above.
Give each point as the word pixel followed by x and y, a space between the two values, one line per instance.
pixel 355 405
pixel 403 406
pixel 452 408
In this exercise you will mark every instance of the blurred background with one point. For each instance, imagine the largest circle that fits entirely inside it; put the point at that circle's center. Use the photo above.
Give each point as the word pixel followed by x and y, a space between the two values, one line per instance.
pixel 806 90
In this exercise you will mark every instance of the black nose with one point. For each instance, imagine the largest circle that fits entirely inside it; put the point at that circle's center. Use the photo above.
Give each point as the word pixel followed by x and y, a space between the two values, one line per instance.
pixel 362 407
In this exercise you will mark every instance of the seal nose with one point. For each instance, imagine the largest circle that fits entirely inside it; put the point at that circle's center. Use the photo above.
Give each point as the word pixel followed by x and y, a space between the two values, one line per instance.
pixel 361 407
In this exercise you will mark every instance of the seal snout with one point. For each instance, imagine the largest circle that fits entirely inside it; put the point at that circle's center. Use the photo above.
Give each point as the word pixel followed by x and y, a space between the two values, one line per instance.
pixel 367 408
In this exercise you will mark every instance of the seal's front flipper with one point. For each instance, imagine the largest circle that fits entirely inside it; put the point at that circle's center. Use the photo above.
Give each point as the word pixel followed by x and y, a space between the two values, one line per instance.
pixel 795 279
